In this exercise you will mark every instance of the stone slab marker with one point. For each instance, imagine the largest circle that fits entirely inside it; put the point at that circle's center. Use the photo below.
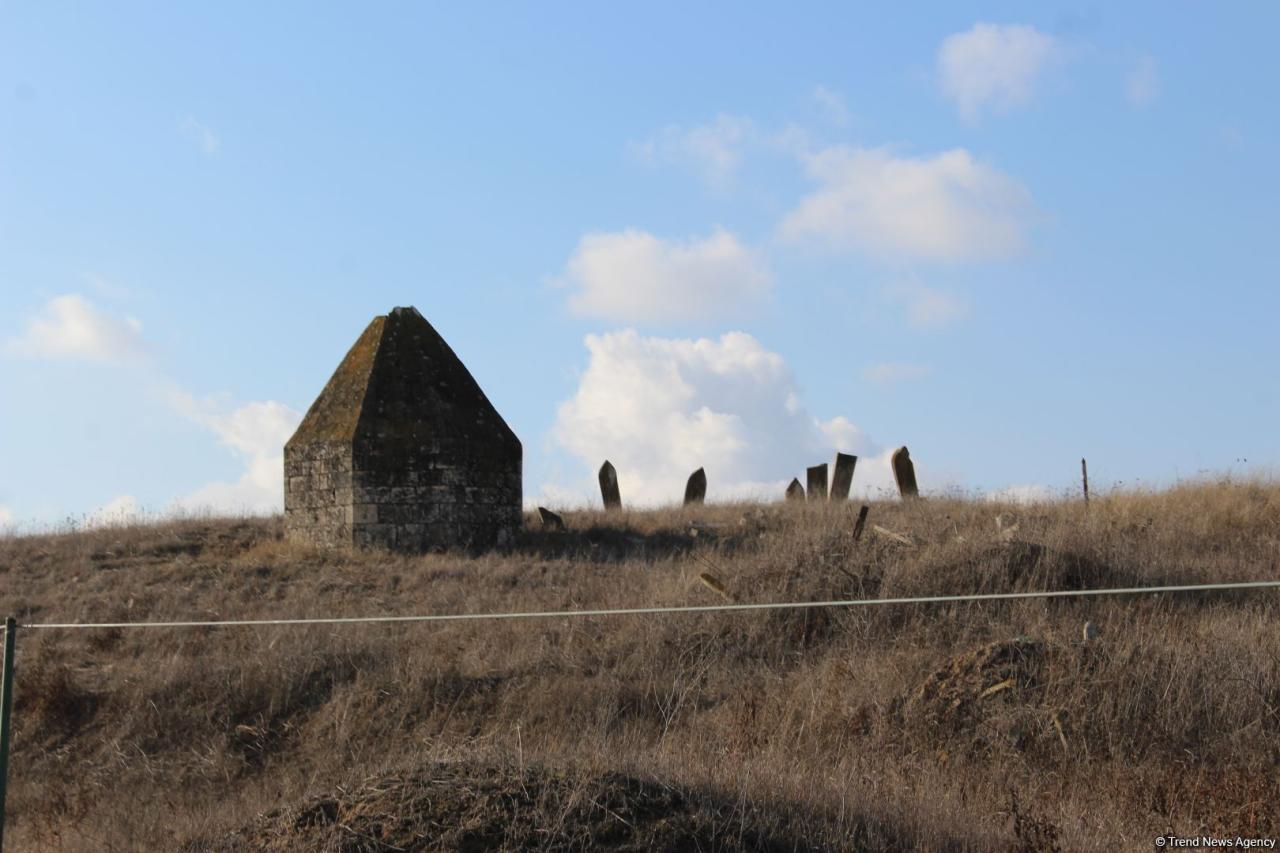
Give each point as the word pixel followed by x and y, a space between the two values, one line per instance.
pixel 842 477
pixel 609 486
pixel 550 520
pixel 795 491
pixel 695 491
pixel 817 476
pixel 905 473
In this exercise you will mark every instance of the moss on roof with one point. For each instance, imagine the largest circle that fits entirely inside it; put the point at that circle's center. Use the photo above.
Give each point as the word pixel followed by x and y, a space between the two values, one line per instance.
pixel 402 384
pixel 335 413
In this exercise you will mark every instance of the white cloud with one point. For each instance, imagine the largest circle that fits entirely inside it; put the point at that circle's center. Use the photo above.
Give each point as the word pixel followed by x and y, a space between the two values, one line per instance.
pixel 926 307
pixel 889 372
pixel 633 276
pixel 1143 84
pixel 69 327
pixel 832 104
pixel 659 408
pixel 6 518
pixel 108 289
pixel 993 66
pixel 793 140
pixel 255 433
pixel 949 207
pixel 201 135
pixel 120 510
pixel 1023 494
pixel 712 151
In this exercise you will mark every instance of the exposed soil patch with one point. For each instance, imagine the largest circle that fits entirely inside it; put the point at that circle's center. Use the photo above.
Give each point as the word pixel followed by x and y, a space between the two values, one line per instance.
pixel 991 696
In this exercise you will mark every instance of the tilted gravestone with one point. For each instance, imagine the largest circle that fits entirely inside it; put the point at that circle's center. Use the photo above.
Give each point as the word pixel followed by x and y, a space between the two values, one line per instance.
pixel 817 482
pixel 905 473
pixel 695 491
pixel 609 486
pixel 795 491
pixel 842 477
pixel 550 520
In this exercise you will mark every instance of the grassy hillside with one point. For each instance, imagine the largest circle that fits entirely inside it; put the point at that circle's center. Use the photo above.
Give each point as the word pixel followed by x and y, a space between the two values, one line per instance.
pixel 966 726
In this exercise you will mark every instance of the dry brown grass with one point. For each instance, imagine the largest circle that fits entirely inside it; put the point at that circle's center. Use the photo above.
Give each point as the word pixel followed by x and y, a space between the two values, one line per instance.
pixel 954 726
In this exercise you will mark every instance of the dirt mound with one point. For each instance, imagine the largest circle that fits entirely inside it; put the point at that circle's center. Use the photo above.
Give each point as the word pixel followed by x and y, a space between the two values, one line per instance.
pixel 992 695
pixel 463 807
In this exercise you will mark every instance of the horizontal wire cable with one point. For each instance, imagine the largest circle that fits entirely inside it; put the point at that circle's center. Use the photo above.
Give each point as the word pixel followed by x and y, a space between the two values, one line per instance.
pixel 641 611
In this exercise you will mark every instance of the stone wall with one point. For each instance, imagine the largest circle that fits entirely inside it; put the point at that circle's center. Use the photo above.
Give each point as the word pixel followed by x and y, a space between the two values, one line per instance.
pixel 447 505
pixel 405 502
pixel 414 500
pixel 317 494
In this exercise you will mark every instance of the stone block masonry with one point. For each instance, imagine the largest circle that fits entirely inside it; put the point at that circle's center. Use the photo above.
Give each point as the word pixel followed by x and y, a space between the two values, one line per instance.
pixel 402 450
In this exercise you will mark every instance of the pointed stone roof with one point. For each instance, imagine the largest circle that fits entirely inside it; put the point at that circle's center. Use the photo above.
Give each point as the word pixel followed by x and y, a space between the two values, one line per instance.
pixel 400 384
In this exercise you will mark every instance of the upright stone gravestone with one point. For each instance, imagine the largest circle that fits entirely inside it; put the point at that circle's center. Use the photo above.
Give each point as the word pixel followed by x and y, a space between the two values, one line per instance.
pixel 905 473
pixel 609 487
pixel 795 491
pixel 695 491
pixel 842 478
pixel 817 482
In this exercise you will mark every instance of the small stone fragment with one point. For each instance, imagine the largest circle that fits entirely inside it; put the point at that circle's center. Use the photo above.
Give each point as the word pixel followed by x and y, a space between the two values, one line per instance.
pixel 795 491
pixel 550 520
pixel 711 583
pixel 889 534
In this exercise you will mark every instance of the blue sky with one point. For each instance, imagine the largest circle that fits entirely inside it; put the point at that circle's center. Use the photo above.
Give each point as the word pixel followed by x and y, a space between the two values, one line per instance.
pixel 1006 235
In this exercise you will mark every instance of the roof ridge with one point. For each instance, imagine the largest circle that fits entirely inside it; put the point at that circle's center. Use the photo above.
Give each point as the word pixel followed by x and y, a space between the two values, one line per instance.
pixel 402 384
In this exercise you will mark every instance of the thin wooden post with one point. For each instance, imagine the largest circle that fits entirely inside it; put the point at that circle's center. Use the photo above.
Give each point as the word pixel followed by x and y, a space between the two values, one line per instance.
pixel 861 522
pixel 6 713
pixel 1084 477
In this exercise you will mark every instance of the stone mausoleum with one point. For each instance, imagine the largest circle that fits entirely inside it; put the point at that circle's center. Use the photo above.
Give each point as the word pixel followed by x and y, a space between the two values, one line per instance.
pixel 402 449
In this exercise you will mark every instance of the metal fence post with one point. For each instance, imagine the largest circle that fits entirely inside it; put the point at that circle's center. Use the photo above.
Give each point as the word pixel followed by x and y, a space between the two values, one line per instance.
pixel 6 714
